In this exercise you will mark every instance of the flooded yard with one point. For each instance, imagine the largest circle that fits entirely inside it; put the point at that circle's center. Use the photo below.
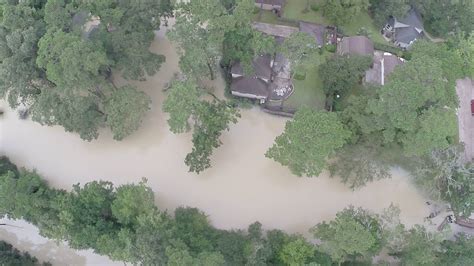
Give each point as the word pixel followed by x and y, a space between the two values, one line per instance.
pixel 242 186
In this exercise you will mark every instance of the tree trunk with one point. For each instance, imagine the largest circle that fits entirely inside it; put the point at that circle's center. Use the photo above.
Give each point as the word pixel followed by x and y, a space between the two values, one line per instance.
pixel 211 72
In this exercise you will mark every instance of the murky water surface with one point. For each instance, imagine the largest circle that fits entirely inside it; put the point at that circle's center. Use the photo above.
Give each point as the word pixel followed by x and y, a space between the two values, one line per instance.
pixel 242 186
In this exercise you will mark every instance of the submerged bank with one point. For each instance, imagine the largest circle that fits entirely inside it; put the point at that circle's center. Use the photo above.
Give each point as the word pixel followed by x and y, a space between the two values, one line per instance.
pixel 242 186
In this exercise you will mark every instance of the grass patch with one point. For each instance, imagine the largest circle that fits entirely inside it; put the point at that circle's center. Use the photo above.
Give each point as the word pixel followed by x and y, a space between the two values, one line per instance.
pixel 269 17
pixel 364 21
pixel 309 92
pixel 295 10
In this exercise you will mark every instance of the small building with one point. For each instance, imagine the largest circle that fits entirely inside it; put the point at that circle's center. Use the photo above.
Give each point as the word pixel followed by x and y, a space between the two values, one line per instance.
pixel 314 30
pixel 404 31
pixel 358 45
pixel 273 5
pixel 383 65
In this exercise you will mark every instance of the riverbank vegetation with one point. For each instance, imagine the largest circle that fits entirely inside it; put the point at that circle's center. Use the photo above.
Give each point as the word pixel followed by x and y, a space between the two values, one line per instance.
pixel 125 224
pixel 57 58
pixel 9 255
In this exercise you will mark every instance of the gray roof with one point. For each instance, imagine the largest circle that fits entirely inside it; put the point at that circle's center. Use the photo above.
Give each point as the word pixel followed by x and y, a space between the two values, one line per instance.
pixel 250 87
pixel 274 30
pixel 359 45
pixel 385 61
pixel 410 29
pixel 406 35
pixel 412 18
pixel 261 66
pixel 314 30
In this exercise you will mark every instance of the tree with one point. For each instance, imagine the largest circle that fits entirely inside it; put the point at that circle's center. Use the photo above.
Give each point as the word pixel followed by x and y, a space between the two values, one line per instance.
pixel 199 47
pixel 458 252
pixel 443 18
pixel 358 165
pixel 194 230
pixel 86 214
pixel 125 109
pixel 354 233
pixel 445 176
pixel 341 12
pixel 227 34
pixel 9 255
pixel 208 120
pixel 126 30
pixel 131 202
pixel 63 74
pixel 73 112
pixel 421 247
pixel 297 252
pixel 342 73
pixel 70 62
pixel 309 139
pixel 409 106
pixel 20 29
pixel 382 9
pixel 301 50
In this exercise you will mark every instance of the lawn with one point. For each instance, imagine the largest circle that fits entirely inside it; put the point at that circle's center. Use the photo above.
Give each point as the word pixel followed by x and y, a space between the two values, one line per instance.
pixel 309 91
pixel 267 16
pixel 294 10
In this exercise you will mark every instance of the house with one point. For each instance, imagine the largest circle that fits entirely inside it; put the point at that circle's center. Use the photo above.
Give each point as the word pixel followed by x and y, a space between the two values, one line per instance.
pixel 272 5
pixel 383 65
pixel 359 45
pixel 314 30
pixel 256 84
pixel 262 67
pixel 404 31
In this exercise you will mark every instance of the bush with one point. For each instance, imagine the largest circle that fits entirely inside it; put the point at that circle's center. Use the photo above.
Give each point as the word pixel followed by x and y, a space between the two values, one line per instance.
pixel 300 75
pixel 315 7
pixel 330 48
pixel 387 48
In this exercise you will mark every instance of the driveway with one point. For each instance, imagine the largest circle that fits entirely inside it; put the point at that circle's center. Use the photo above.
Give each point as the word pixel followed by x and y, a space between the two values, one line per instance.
pixel 465 91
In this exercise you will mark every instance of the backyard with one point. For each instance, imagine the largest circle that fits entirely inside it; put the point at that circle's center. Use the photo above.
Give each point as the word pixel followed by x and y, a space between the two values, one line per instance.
pixel 296 10
pixel 309 91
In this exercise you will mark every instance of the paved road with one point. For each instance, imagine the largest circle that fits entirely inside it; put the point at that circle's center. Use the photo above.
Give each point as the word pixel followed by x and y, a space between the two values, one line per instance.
pixel 465 91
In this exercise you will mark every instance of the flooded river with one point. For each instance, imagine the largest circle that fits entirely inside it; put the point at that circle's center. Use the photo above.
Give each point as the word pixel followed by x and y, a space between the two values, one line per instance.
pixel 242 186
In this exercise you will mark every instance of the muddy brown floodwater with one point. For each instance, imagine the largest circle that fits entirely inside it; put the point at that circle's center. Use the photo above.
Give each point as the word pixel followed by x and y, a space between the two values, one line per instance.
pixel 242 186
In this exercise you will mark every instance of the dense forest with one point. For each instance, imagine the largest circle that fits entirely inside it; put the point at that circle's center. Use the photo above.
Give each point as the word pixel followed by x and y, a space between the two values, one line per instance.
pixel 124 223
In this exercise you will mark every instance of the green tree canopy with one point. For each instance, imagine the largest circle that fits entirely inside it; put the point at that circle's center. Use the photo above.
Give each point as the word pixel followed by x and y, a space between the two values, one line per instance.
pixel 125 109
pixel 297 252
pixel 341 12
pixel 309 139
pixel 382 9
pixel 342 74
pixel 208 120
pixel 354 233
pixel 416 98
pixel 62 69
pixel 301 50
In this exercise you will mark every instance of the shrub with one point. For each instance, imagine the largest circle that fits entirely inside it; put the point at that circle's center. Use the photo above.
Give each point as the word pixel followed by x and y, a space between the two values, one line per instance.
pixel 299 75
pixel 315 7
pixel 330 48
